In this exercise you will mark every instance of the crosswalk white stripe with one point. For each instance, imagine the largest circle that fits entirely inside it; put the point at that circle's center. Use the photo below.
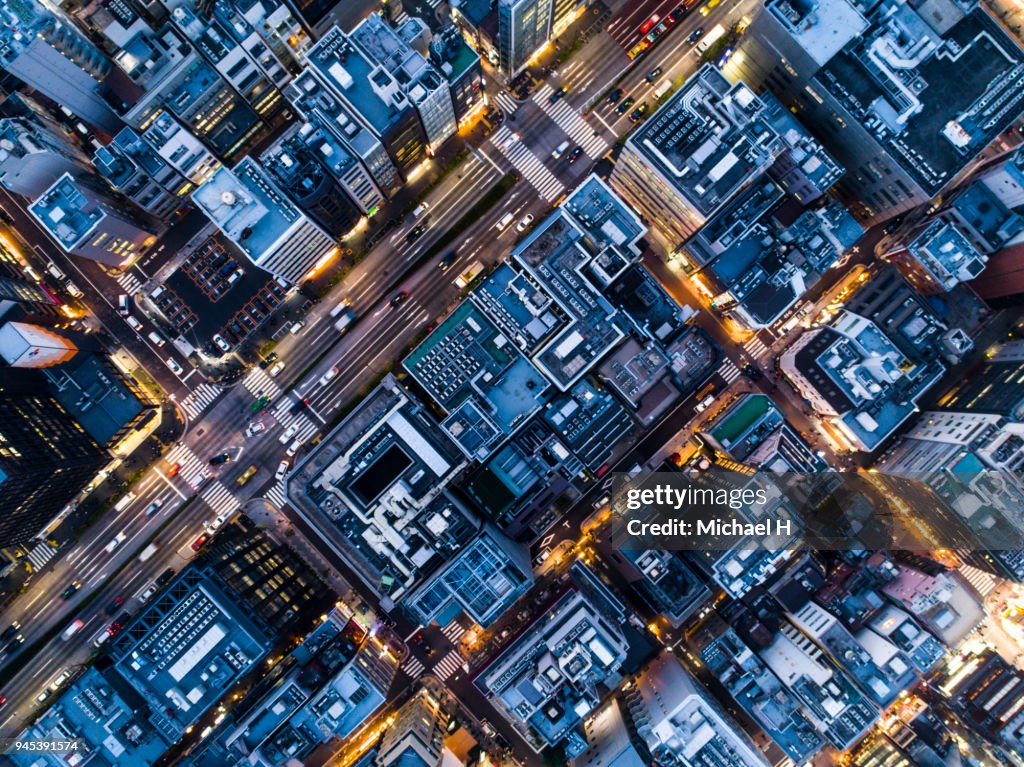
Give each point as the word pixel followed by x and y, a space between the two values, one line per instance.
pixel 506 102
pixel 413 667
pixel 282 407
pixel 569 120
pixel 129 283
pixel 219 498
pixel 307 430
pixel 526 162
pixel 448 665
pixel 756 348
pixel 984 583
pixel 259 383
pixel 40 554
pixel 276 494
pixel 200 399
pixel 453 631
pixel 729 371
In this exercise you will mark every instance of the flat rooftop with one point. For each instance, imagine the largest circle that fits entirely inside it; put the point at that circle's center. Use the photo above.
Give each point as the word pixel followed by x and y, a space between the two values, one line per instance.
pixel 821 27
pixel 708 139
pixel 66 212
pixel 956 102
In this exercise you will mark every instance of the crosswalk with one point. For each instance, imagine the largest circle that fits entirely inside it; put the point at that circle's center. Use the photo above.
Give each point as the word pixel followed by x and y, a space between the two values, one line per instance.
pixel 306 426
pixel 569 120
pixel 276 494
pixel 526 162
pixel 193 468
pixel 129 283
pixel 507 103
pixel 448 665
pixel 982 582
pixel 413 667
pixel 40 554
pixel 729 371
pixel 259 383
pixel 219 498
pixel 200 399
pixel 756 348
pixel 453 631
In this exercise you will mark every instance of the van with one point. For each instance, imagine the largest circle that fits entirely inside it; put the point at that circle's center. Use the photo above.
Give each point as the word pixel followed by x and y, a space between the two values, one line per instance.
pixel 504 222
pixel 56 273
pixel 339 308
pixel 100 639
pixel 123 503
pixel 560 149
pixel 73 289
pixel 420 210
pixel 705 403
pixel 344 321
pixel 122 305
pixel 147 552
pixel 294 329
pixel 133 323
pixel 157 291
pixel 116 541
pixel 156 339
pixel 662 89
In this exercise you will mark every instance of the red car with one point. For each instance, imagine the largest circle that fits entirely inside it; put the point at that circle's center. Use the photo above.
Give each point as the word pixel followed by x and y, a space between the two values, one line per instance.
pixel 114 606
pixel 200 541
pixel 3 701
pixel 114 628
pixel 173 469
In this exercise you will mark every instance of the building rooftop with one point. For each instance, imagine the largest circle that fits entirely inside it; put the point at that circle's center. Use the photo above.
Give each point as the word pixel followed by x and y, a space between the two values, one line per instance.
pixel 937 115
pixel 821 28
pixel 943 251
pixel 251 211
pixel 589 422
pixel 320 106
pixel 752 430
pixel 67 212
pixel 708 139
pixel 758 692
pixel 675 590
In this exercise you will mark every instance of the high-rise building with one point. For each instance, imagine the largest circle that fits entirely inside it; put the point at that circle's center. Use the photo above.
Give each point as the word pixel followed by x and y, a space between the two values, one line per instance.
pixel 33 154
pixel 17 290
pixel 688 159
pixel 181 150
pixel 46 457
pixel 524 27
pixel 461 66
pixel 868 83
pixel 256 216
pixel 136 170
pixel 416 736
pixel 46 52
pixel 30 346
pixel 937 259
pixel 87 223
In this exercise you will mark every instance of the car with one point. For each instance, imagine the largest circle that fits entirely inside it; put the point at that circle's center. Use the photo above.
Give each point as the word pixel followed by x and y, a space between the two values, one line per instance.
pixel 221 343
pixel 399 298
pixel 445 263
pixel 328 376
pixel 695 35
pixel 146 595
pixel 615 95
pixel 255 428
pixel 3 701
pixel 416 233
pixel 525 222
pixel 71 589
pixel 246 475
pixel 174 366
pixel 276 368
pixel 199 542
pixel 44 696
pixel 153 508
pixel 752 372
pixel 115 605
pixel 15 644
pixel 133 323
pixel 73 628
pixel 217 460
pixel 557 94
pixel 624 107
pixel 220 519
pixel 421 641
pixel 677 14
pixel 173 469
pixel 653 74
pixel 574 155
pixel 10 631
pixel 637 113
pixel 114 628
pixel 288 434
pixel 165 576
pixel 269 360
pixel 293 448
pixel 705 403
pixel 282 469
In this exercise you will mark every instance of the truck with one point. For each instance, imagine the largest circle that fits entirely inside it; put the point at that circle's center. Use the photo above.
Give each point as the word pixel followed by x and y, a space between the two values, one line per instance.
pixel 345 320
pixel 663 88
pixel 147 552
pixel 714 35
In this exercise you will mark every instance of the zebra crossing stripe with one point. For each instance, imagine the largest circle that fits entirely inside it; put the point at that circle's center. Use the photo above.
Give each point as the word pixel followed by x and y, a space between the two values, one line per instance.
pixel 569 120
pixel 200 399
pixel 984 583
pixel 448 665
pixel 506 102
pixel 276 495
pixel 40 554
pixel 259 383
pixel 756 348
pixel 526 162
pixel 453 631
pixel 413 667
pixel 219 498
pixel 129 283
pixel 729 371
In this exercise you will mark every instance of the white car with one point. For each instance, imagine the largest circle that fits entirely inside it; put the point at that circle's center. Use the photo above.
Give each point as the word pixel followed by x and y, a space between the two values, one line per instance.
pixel 282 469
pixel 705 403
pixel 327 376
pixel 276 368
pixel 255 428
pixel 293 448
pixel 290 432
pixel 221 343
pixel 174 366
pixel 527 220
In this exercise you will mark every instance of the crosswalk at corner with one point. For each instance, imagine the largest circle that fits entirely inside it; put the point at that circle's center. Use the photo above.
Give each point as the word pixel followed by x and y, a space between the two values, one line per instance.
pixel 448 665
pixel 306 426
pixel 200 399
pixel 413 667
pixel 259 383
pixel 40 554
pixel 729 371
pixel 276 494
pixel 756 348
pixel 507 103
pixel 569 120
pixel 526 162
pixel 193 468
pixel 129 283
pixel 219 498
pixel 982 582
pixel 453 631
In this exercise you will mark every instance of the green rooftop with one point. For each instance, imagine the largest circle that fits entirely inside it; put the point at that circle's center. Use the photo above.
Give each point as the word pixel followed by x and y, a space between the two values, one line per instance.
pixel 752 409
